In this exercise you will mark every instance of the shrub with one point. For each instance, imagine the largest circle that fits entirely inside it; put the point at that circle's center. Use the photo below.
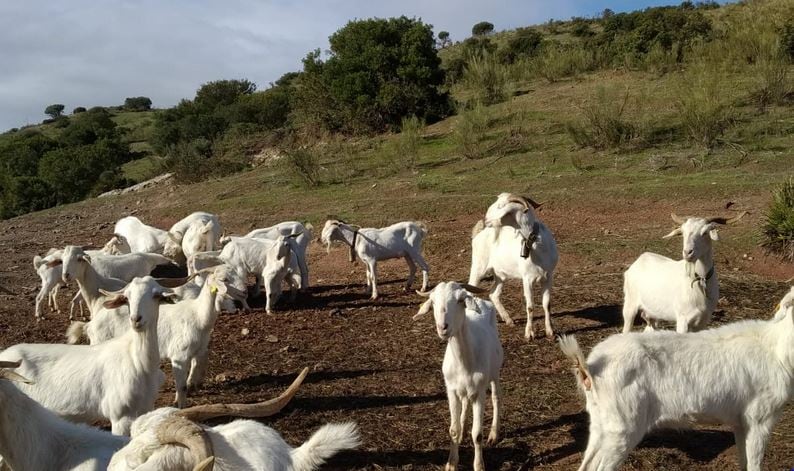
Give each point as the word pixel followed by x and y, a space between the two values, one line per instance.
pixel 705 110
pixel 557 61
pixel 305 164
pixel 138 103
pixel 409 140
pixel 778 228
pixel 79 109
pixel 482 28
pixel 477 46
pixel 470 131
pixel 605 125
pixel 88 128
pixel 61 122
pixel 774 86
pixel 378 71
pixel 454 69
pixel 787 40
pixel 443 39
pixel 487 79
pixel 524 44
pixel 211 95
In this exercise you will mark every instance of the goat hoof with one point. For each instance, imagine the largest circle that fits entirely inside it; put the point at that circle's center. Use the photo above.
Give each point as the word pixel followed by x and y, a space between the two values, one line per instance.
pixel 529 335
pixel 450 467
pixel 492 439
pixel 550 334
pixel 510 322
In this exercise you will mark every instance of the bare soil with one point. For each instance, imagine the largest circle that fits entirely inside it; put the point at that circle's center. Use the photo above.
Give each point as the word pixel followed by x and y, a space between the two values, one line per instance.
pixel 370 363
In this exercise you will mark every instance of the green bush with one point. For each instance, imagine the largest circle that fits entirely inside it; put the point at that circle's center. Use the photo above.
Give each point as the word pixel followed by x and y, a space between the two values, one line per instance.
pixel 378 71
pixel 54 111
pixel 705 110
pixel 138 103
pixel 523 45
pixel 487 79
pixel 79 109
pixel 778 227
pixel 470 131
pixel 787 40
pixel 605 125
pixel 88 128
pixel 478 46
pixel 557 61
pixel 305 164
pixel 409 140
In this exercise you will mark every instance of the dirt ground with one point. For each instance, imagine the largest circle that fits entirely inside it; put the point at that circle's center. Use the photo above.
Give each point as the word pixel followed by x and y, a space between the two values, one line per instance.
pixel 370 363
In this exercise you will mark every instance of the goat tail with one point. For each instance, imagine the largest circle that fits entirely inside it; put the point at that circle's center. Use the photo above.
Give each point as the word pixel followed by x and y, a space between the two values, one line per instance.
pixel 570 348
pixel 323 444
pixel 75 332
pixel 477 228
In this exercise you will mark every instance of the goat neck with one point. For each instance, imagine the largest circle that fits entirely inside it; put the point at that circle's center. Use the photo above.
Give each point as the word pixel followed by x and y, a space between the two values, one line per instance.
pixel 460 345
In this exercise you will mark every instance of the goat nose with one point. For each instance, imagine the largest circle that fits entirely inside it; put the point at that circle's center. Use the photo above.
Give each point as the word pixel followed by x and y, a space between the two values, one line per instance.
pixel 136 319
pixel 442 327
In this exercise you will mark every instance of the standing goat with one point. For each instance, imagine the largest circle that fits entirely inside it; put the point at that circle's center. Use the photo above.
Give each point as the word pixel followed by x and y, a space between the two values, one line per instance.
pixel 286 229
pixel 681 291
pixel 472 361
pixel 400 240
pixel 198 232
pixel 506 252
pixel 739 374
pixel 116 380
pixel 134 236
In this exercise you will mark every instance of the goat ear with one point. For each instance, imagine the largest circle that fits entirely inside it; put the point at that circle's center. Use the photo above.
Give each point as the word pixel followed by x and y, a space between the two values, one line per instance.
pixel 13 376
pixel 423 309
pixel 167 297
pixel 676 231
pixel 54 263
pixel 713 234
pixel 472 305
pixel 85 257
pixel 115 302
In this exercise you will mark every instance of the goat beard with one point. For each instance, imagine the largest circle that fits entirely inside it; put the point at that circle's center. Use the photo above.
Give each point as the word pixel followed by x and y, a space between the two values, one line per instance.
pixel 328 247
pixel 690 269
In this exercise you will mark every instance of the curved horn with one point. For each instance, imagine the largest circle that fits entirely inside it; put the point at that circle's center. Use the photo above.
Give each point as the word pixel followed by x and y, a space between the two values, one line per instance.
pixel 259 409
pixel 178 430
pixel 10 364
pixel 174 282
pixel 724 221
pixel 205 465
pixel 677 219
pixel 518 199
pixel 237 294
pixel 474 289
pixel 424 294
pixel 294 234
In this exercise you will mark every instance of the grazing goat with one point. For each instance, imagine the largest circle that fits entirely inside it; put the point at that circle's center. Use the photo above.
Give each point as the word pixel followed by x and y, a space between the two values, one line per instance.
pixel 500 251
pixel 134 236
pixel 270 261
pixel 739 374
pixel 116 380
pixel 400 240
pixel 198 232
pixel 681 291
pixel 472 361
pixel 164 439
pixel 33 438
pixel 285 229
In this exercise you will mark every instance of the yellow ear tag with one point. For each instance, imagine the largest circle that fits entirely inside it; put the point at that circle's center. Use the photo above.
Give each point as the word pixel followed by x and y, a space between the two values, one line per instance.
pixel 777 308
pixel 213 289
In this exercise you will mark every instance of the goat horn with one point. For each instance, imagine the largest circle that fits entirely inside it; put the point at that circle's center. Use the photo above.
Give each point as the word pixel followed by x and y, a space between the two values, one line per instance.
pixel 518 199
pixel 474 289
pixel 178 430
pixel 424 294
pixel 724 221
pixel 294 234
pixel 205 465
pixel 174 282
pixel 237 294
pixel 259 409
pixel 10 364
pixel 678 219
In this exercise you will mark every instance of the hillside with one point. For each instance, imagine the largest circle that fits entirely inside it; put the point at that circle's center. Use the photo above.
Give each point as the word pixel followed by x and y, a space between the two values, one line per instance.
pixel 610 153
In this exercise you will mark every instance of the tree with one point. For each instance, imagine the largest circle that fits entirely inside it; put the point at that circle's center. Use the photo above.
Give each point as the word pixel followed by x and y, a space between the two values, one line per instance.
pixel 482 28
pixel 54 111
pixel 525 43
pixel 88 128
pixel 443 38
pixel 138 103
pixel 378 71
pixel 222 92
pixel 79 109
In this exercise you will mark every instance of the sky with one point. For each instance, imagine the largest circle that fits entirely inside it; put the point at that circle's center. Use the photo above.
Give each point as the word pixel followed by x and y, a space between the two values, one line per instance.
pixel 96 53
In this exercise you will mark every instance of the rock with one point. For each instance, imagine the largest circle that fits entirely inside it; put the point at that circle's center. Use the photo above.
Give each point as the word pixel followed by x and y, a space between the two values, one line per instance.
pixel 271 338
pixel 245 331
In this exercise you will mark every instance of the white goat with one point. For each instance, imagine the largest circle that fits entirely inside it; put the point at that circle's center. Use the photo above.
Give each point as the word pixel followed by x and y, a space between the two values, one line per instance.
pixel 400 240
pixel 284 229
pixel 472 361
pixel 135 236
pixel 164 440
pixel 198 232
pixel 270 261
pixel 681 291
pixel 33 438
pixel 738 374
pixel 502 250
pixel 116 380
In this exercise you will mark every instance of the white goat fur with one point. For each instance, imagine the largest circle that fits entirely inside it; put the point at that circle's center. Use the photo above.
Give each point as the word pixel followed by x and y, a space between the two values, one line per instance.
pixel 183 329
pixel 285 229
pixel 241 445
pixel 270 261
pixel 198 232
pixel 400 240
pixel 497 251
pixel 472 362
pixel 676 291
pixel 139 237
pixel 34 438
pixel 116 380
pixel 738 374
